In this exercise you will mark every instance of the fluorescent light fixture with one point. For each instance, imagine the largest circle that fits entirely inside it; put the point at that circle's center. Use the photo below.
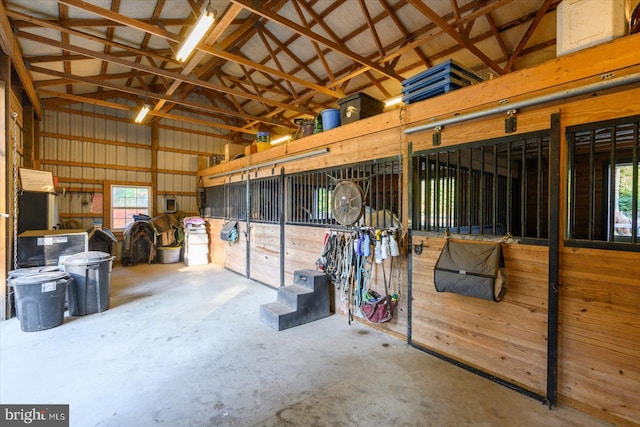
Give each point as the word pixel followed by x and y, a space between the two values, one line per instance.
pixel 196 34
pixel 143 113
pixel 282 139
pixel 393 101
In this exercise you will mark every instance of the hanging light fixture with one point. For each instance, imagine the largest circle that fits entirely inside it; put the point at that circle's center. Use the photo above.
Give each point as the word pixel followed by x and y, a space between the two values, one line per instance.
pixel 196 33
pixel 393 101
pixel 142 113
pixel 281 139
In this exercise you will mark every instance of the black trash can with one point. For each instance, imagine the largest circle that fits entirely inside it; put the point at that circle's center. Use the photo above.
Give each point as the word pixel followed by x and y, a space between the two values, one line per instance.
pixel 39 299
pixel 90 291
pixel 27 271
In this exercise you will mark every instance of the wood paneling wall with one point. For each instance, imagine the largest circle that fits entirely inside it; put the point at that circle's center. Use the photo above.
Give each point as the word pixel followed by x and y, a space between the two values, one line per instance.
pixel 505 339
pixel 264 250
pixel 599 290
pixel 235 254
pixel 599 336
pixel 216 246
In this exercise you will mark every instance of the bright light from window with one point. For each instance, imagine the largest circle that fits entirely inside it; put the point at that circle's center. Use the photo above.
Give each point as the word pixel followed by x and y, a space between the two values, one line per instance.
pixel 127 201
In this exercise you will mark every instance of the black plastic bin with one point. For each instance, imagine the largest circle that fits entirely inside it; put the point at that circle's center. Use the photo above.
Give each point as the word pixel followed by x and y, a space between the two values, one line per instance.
pixel 39 299
pixel 90 291
pixel 27 271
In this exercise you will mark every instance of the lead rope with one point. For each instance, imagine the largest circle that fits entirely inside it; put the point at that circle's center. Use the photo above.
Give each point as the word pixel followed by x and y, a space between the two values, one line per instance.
pixel 14 117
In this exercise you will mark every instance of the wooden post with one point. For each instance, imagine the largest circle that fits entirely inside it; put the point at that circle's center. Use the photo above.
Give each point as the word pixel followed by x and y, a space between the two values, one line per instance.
pixel 154 167
pixel 6 184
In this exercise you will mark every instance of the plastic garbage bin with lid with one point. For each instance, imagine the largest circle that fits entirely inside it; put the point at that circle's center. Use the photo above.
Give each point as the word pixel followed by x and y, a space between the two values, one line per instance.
pixel 90 291
pixel 27 271
pixel 40 299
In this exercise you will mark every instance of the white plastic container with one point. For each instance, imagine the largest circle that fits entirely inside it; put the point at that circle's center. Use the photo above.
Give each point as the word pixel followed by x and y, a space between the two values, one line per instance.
pixel 586 23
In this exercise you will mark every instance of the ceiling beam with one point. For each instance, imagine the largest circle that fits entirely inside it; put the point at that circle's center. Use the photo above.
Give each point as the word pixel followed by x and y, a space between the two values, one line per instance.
pixel 462 39
pixel 527 35
pixel 102 82
pixel 98 23
pixel 54 26
pixel 117 106
pixel 195 59
pixel 174 38
pixel 257 8
pixel 157 71
pixel 12 49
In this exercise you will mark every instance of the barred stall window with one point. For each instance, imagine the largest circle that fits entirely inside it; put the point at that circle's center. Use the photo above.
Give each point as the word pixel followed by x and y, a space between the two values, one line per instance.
pixel 604 165
pixel 310 193
pixel 489 188
pixel 214 202
pixel 265 200
pixel 236 201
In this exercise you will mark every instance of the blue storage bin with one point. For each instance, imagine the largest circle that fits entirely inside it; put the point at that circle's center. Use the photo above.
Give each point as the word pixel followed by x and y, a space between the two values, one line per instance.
pixel 437 80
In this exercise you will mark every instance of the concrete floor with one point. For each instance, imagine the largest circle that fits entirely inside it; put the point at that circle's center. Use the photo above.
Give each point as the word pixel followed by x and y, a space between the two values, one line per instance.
pixel 184 346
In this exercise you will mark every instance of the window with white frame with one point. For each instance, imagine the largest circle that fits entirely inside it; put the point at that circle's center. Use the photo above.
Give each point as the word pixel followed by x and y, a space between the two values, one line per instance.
pixel 127 201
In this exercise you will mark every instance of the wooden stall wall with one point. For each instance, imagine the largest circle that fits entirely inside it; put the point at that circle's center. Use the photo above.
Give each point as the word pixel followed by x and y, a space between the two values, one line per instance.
pixel 217 246
pixel 599 337
pixel 506 339
pixel 599 290
pixel 264 254
pixel 599 307
pixel 235 254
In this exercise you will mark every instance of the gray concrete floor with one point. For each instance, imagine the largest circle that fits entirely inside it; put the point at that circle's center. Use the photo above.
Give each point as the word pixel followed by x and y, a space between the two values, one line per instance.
pixel 184 346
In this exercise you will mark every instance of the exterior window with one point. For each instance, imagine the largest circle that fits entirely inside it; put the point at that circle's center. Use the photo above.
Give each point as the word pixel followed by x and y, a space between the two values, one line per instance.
pixel 603 184
pixel 127 201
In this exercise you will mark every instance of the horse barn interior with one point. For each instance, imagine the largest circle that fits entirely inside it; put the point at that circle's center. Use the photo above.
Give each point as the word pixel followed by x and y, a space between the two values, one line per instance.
pixel 447 189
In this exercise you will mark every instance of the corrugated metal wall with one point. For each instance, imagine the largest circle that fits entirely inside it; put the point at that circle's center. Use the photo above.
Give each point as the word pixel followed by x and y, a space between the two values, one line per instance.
pixel 88 145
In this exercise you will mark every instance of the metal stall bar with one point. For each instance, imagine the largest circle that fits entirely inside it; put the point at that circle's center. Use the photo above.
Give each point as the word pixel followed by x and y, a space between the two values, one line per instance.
pixel 539 190
pixel 509 187
pixel 523 190
pixel 592 183
pixel 281 194
pixel 612 185
pixel 634 191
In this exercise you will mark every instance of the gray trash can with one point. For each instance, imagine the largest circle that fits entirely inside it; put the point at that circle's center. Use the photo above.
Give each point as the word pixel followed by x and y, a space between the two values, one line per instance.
pixel 90 291
pixel 20 272
pixel 39 299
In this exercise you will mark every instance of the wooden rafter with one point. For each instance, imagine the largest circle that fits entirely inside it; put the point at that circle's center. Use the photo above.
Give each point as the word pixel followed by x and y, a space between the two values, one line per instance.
pixel 525 38
pixel 284 48
pixel 128 50
pixel 463 39
pixel 151 70
pixel 403 30
pixel 203 47
pixel 275 60
pixel 63 12
pixel 372 27
pixel 315 45
pixel 258 9
pixel 11 48
pixel 496 34
pixel 148 94
pixel 145 40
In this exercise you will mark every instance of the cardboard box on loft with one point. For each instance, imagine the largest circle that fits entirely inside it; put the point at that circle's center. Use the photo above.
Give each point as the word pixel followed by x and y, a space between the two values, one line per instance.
pixel 232 151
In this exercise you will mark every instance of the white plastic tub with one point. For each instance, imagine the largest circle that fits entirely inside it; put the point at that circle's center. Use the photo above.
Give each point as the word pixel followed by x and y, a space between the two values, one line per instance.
pixel 586 23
